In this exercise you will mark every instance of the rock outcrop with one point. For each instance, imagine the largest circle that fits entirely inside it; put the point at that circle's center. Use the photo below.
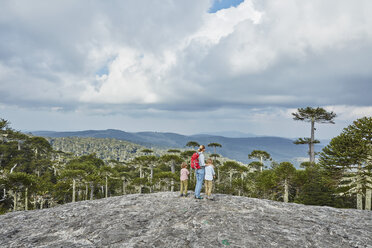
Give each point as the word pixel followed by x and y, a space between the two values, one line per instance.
pixel 166 220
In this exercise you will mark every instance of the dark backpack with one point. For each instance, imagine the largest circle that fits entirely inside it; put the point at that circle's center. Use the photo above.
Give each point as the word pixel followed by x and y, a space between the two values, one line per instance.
pixel 195 161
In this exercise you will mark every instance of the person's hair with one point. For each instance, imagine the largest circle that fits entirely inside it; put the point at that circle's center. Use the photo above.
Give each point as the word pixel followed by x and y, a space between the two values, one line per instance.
pixel 184 165
pixel 201 148
pixel 209 161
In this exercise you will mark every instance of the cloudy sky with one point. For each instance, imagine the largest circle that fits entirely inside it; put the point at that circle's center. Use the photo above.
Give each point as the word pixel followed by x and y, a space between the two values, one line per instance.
pixel 184 66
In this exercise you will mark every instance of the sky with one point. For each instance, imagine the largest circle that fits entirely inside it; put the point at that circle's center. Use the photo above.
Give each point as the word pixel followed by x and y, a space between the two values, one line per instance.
pixel 184 66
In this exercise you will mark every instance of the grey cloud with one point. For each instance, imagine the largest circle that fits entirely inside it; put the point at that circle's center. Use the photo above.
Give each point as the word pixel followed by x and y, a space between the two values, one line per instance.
pixel 50 53
pixel 317 72
pixel 48 50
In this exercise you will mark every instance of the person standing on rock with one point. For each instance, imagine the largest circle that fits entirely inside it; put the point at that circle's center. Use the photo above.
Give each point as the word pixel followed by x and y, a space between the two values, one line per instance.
pixel 184 179
pixel 200 172
pixel 209 175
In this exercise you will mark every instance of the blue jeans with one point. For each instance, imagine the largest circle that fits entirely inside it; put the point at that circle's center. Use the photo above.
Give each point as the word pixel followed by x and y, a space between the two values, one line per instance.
pixel 199 181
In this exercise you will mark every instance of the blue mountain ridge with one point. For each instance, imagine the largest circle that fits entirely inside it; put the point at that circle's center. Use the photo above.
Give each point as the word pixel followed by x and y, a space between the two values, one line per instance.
pixel 280 149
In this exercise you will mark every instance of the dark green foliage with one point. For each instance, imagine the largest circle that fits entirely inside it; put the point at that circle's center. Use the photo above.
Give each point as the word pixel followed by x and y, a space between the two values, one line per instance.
pixel 266 184
pixel 285 170
pixel 258 154
pixel 174 151
pixel 256 165
pixel 147 151
pixel 303 141
pixel 318 114
pixel 192 144
pixel 349 157
pixel 315 188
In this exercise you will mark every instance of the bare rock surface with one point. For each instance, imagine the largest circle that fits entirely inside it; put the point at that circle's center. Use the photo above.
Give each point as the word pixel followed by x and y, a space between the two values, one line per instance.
pixel 166 220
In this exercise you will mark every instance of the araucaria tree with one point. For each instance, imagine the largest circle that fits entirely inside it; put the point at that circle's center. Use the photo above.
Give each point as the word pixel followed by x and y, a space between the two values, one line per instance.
pixel 261 155
pixel 313 115
pixel 285 171
pixel 192 144
pixel 214 145
pixel 306 141
pixel 350 154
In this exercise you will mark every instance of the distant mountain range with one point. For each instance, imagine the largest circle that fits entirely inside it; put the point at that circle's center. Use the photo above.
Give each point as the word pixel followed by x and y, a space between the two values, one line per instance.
pixel 230 134
pixel 281 149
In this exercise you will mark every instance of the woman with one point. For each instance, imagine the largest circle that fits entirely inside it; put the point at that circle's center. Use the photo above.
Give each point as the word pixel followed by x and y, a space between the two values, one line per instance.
pixel 200 173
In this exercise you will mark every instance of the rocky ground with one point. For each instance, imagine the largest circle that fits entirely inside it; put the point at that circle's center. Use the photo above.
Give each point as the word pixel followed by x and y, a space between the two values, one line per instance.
pixel 166 220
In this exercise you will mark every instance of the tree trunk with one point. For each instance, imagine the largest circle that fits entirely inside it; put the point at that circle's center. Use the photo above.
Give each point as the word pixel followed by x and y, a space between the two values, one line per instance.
pixel 151 177
pixel 231 174
pixel 26 199
pixel 286 190
pixel 73 189
pixel 359 197
pixel 242 178
pixel 173 169
pixel 91 191
pixel 42 203
pixel 141 171
pixel 359 188
pixel 86 191
pixel 14 201
pixel 106 188
pixel 359 201
pixel 261 160
pixel 4 193
pixel 34 200
pixel 124 193
pixel 312 153
pixel 151 172
pixel 218 175
pixel 11 170
pixel 368 199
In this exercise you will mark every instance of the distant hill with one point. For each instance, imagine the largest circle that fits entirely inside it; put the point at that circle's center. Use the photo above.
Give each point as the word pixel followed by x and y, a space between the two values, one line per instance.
pixel 229 134
pixel 281 149
pixel 105 148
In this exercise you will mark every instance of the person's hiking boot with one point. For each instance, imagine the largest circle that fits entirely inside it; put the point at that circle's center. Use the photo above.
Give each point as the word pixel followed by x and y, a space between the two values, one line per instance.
pixel 186 195
pixel 181 195
pixel 198 197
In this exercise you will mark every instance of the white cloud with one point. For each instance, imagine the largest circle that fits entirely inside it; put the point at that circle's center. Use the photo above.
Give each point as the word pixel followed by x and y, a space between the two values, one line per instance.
pixel 158 53
pixel 350 112
pixel 223 23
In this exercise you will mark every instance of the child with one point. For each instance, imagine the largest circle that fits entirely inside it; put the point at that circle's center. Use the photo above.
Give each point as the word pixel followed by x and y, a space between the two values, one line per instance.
pixel 209 175
pixel 184 179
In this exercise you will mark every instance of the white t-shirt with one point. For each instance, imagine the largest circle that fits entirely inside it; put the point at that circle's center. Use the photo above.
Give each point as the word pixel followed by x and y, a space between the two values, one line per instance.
pixel 209 172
